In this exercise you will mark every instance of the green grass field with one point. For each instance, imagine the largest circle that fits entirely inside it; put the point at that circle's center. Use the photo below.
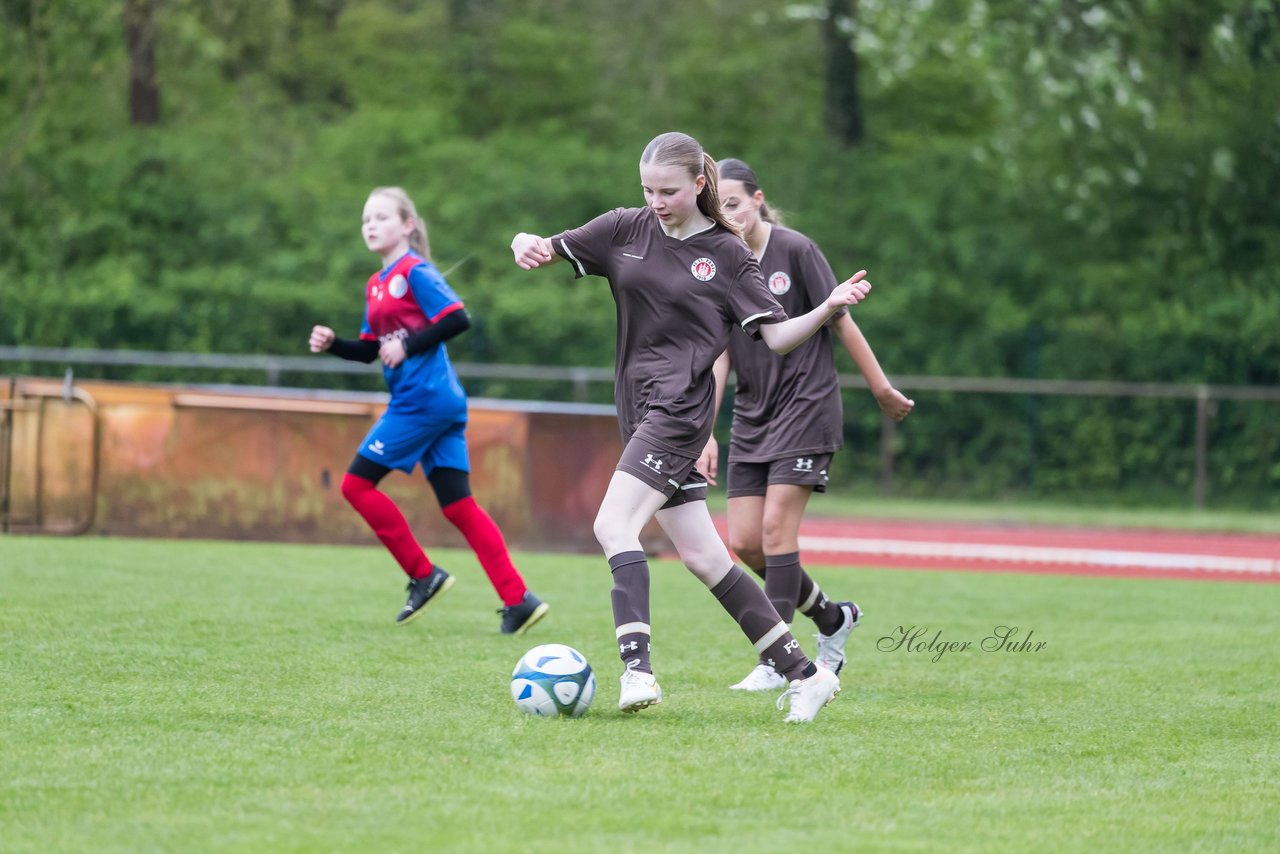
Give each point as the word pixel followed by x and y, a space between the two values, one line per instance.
pixel 1031 511
pixel 188 696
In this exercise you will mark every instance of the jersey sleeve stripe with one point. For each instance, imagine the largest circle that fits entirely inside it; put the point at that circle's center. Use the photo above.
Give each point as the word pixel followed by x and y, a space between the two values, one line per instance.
pixel 756 317
pixel 577 265
pixel 448 309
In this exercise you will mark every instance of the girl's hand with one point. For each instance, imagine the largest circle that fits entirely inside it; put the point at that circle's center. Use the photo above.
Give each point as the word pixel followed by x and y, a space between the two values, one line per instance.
pixel 321 338
pixel 531 251
pixel 849 292
pixel 392 352
pixel 709 462
pixel 894 403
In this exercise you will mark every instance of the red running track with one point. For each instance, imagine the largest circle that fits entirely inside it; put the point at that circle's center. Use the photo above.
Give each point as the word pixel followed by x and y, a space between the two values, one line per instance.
pixel 1145 553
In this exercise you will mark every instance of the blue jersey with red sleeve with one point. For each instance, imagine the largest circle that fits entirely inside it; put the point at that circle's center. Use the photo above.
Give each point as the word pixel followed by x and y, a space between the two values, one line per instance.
pixel 402 299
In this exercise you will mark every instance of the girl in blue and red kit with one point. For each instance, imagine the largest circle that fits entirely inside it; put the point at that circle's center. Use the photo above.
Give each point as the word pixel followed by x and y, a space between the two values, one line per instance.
pixel 410 311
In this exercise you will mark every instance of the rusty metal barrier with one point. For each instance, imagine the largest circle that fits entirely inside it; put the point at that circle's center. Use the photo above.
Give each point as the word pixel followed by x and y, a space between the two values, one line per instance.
pixel 56 480
pixel 267 464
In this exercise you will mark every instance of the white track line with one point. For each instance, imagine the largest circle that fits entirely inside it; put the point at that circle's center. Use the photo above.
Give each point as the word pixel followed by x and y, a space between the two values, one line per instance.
pixel 1041 555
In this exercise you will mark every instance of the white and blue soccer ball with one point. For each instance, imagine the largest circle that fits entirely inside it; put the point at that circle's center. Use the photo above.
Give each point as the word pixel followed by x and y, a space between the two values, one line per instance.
pixel 553 679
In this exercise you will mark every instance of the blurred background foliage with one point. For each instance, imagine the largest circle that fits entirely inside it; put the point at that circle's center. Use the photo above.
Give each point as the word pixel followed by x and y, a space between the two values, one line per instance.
pixel 1053 189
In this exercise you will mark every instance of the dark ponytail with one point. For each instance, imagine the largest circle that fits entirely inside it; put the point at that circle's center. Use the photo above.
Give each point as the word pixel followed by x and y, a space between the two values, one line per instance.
pixel 709 198
pixel 732 169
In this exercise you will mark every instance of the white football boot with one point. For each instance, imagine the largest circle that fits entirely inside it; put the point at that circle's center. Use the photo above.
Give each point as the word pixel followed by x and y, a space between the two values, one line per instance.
pixel 831 647
pixel 808 696
pixel 639 691
pixel 762 678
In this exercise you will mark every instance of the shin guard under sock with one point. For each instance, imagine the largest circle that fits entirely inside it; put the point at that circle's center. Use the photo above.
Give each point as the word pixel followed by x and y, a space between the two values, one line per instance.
pixel 630 597
pixel 388 523
pixel 759 621
pixel 782 583
pixel 485 539
pixel 815 605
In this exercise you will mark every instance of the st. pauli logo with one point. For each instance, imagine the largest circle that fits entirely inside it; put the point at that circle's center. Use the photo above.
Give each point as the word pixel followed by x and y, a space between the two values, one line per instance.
pixel 704 269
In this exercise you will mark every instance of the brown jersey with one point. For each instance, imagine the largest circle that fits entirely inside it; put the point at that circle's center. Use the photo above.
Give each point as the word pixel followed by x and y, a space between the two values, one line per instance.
pixel 788 405
pixel 677 301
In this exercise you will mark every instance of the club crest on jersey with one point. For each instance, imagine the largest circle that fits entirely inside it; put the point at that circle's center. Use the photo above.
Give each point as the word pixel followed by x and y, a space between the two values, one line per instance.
pixel 779 283
pixel 704 269
pixel 399 286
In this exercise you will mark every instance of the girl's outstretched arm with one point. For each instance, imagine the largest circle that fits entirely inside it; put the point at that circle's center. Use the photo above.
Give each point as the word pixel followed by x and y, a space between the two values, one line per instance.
pixel 784 337
pixel 532 251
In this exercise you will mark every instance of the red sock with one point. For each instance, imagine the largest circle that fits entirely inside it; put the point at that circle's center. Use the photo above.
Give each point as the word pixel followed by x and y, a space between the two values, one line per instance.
pixel 486 541
pixel 386 520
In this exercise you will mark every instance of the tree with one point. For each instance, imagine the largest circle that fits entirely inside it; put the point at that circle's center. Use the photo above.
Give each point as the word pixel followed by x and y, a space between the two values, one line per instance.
pixel 843 100
pixel 140 39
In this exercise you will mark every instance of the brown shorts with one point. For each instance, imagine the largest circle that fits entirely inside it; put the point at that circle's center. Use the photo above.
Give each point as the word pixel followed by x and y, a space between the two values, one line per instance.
pixel 756 478
pixel 671 474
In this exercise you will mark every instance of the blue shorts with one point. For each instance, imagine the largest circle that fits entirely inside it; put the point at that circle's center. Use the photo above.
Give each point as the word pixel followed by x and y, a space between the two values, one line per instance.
pixel 400 441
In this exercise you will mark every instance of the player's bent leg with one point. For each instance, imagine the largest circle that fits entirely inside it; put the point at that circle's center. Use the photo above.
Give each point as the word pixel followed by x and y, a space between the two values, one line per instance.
pixel 694 534
pixel 521 608
pixel 784 505
pixel 628 504
pixel 700 548
pixel 386 521
pixel 745 514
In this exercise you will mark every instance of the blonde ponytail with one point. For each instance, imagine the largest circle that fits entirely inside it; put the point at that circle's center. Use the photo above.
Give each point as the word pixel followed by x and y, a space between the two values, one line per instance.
pixel 683 151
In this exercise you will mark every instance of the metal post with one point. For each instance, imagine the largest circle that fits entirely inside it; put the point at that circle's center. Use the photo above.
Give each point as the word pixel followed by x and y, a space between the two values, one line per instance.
pixel 6 453
pixel 1202 447
pixel 39 490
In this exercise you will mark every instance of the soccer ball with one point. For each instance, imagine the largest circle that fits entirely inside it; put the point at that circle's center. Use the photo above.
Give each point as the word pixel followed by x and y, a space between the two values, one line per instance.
pixel 553 679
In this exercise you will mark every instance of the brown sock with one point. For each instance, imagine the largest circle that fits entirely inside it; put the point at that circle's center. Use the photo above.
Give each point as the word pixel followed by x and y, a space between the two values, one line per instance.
pixel 759 620
pixel 782 583
pixel 631 608
pixel 815 605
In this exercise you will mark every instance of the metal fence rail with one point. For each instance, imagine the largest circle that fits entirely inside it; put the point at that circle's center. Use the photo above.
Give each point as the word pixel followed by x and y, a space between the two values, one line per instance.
pixel 1204 395
pixel 273 366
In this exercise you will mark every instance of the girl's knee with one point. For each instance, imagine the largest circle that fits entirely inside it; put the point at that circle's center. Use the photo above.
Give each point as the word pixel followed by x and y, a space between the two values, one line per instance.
pixel 612 534
pixel 774 535
pixel 748 550
pixel 709 568
pixel 353 487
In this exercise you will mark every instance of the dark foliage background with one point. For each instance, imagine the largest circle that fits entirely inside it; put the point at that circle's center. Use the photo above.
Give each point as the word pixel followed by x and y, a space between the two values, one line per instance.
pixel 1063 188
